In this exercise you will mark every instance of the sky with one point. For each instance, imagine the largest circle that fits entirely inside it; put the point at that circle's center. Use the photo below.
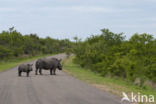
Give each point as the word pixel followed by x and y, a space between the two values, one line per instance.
pixel 82 18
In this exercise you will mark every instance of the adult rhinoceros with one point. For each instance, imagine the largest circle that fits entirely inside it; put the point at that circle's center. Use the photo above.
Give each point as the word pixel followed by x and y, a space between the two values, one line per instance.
pixel 48 64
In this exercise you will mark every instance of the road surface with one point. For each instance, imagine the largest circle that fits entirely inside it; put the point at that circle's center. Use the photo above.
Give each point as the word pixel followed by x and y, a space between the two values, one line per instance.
pixel 49 89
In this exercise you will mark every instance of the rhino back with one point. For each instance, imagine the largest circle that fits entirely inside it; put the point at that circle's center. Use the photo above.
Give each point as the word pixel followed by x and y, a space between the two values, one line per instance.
pixel 43 63
pixel 23 67
pixel 39 63
pixel 46 63
pixel 49 63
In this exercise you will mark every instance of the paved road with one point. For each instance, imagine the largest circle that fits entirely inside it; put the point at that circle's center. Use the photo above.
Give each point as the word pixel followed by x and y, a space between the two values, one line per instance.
pixel 47 89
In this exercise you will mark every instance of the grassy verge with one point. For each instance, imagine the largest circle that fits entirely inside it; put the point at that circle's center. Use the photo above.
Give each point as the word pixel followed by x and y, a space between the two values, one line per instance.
pixel 4 65
pixel 116 86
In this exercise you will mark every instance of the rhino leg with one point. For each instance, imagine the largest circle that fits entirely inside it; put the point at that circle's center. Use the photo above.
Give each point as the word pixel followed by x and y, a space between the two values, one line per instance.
pixel 36 71
pixel 54 71
pixel 40 71
pixel 27 73
pixel 51 71
pixel 19 73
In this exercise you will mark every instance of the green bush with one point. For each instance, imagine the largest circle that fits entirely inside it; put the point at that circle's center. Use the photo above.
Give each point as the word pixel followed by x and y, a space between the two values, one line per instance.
pixel 14 44
pixel 109 54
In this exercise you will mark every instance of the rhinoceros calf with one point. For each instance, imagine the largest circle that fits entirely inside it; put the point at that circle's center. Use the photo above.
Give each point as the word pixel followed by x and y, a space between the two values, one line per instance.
pixel 25 68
